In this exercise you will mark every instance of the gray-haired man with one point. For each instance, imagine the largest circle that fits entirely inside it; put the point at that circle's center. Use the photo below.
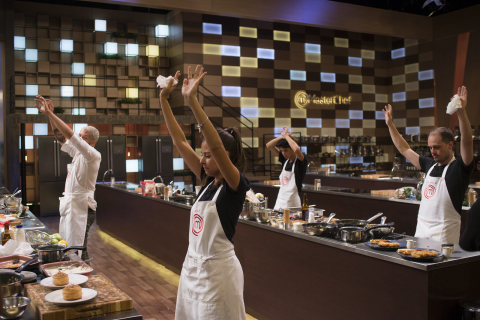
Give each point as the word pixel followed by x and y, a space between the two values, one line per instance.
pixel 77 206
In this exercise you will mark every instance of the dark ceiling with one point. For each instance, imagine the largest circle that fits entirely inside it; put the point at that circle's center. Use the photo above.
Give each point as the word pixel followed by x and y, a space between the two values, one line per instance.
pixel 415 6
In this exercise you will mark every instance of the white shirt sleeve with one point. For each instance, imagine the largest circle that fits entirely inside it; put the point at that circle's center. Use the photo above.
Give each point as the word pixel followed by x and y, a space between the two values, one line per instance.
pixel 89 152
pixel 69 148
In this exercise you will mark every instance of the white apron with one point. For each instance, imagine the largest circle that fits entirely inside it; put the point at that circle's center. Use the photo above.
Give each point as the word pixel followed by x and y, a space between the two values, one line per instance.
pixel 288 196
pixel 437 218
pixel 74 209
pixel 211 282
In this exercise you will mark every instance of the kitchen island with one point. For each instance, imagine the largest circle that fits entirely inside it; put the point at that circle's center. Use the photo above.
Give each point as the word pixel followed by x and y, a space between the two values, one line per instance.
pixel 358 204
pixel 292 275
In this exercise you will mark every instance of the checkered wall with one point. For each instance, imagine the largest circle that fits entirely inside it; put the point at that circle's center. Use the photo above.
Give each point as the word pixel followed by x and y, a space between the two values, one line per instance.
pixel 257 67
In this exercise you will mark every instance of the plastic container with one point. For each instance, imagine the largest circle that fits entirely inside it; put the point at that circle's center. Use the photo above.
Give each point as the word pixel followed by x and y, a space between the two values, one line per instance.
pixel 20 234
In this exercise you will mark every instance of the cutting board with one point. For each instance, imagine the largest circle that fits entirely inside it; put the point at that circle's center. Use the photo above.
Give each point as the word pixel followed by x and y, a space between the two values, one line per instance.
pixel 109 299
pixel 374 176
pixel 383 193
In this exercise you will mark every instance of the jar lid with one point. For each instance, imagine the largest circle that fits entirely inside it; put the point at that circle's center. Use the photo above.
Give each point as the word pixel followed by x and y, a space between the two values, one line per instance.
pixel 19 226
pixel 447 245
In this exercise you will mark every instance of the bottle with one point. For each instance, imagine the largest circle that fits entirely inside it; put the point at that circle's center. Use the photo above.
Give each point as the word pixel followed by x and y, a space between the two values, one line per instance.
pixel 305 208
pixel 472 197
pixel 6 234
pixel 19 234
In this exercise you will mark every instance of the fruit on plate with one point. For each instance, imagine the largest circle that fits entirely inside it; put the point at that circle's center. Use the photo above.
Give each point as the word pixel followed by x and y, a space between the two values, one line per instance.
pixel 63 242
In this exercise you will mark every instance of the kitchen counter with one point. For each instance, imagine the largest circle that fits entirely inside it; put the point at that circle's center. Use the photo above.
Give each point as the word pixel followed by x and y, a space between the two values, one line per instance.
pixel 325 274
pixel 358 204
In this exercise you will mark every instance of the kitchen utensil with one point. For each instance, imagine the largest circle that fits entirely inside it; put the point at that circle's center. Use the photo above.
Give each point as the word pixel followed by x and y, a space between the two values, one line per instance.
pixel 54 252
pixel 380 233
pixel 38 238
pixel 355 234
pixel 77 279
pixel 50 269
pixel 330 217
pixel 262 215
pixel 14 307
pixel 57 297
pixel 74 265
pixel 322 229
pixel 12 258
pixel 448 249
pixel 356 222
pixel 383 219
pixel 411 244
pixel 247 211
pixel 12 280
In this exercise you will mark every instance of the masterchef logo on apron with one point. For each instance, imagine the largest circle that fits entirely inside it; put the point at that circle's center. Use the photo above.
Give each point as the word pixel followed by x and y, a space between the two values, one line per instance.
pixel 429 191
pixel 197 224
pixel 285 180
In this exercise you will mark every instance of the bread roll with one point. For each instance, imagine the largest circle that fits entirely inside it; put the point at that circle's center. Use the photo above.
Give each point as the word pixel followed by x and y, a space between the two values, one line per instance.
pixel 60 279
pixel 72 292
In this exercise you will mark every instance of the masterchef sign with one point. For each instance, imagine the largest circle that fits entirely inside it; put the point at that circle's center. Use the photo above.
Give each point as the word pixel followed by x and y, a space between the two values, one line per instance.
pixel 303 99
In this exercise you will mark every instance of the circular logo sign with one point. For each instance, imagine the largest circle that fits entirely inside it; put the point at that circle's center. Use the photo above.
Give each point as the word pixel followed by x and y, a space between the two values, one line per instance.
pixel 301 99
pixel 285 180
pixel 197 224
pixel 429 191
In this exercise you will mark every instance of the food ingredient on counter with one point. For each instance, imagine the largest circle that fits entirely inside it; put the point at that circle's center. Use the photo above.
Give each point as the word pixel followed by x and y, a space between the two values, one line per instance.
pixel 79 269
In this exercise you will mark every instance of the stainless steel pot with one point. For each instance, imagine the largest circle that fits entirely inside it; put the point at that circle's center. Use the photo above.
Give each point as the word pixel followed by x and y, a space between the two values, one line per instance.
pixel 54 252
pixel 356 222
pixel 355 234
pixel 247 211
pixel 262 215
pixel 12 280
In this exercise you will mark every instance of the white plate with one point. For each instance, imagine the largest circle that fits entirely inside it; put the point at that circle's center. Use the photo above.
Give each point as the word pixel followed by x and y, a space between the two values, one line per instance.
pixel 73 279
pixel 57 297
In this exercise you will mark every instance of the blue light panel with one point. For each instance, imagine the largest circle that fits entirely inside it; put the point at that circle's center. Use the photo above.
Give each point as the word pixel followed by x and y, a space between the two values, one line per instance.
pixel 249 112
pixel 399 96
pixel 66 91
pixel 314 122
pixel 132 165
pixel 66 45
pixel 298 75
pixel 398 53
pixel 32 90
pixel 327 77
pixel 31 55
pixel 412 130
pixel 355 114
pixel 78 68
pixel 40 129
pixel 78 111
pixel 180 184
pixel 101 25
pixel 312 48
pixel 354 62
pixel 379 115
pixel 232 51
pixel 32 111
pixel 303 149
pixel 178 164
pixel 131 50
pixel 426 103
pixel 77 127
pixel 229 91
pixel 356 159
pixel 342 123
pixel 212 28
pixel 265 53
pixel 19 43
pixel 425 75
pixel 28 142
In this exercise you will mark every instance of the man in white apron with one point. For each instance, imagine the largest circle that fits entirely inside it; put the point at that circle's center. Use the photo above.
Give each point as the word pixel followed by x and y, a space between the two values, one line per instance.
pixel 211 281
pixel 77 206
pixel 290 181
pixel 447 177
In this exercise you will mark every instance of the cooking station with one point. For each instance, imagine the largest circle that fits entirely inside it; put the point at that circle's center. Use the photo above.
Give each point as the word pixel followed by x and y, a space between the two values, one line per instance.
pixel 322 278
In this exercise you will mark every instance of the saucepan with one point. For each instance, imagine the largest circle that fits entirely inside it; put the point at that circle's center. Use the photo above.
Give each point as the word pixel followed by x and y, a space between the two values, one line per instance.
pixel 380 232
pixel 357 234
pixel 54 252
pixel 323 229
pixel 356 222
pixel 12 280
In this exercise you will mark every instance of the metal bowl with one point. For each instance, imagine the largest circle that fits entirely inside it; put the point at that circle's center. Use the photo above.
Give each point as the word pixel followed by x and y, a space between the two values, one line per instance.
pixel 14 307
pixel 247 211
pixel 321 229
pixel 38 238
pixel 262 215
pixel 11 283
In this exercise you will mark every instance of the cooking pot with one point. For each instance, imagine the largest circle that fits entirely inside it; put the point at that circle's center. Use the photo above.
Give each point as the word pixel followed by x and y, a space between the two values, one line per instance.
pixel 247 211
pixel 356 234
pixel 12 280
pixel 356 222
pixel 54 252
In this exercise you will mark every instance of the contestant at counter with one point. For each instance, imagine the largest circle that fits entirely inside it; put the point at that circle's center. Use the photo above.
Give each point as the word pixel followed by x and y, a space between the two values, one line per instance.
pixel 77 206
pixel 470 240
pixel 295 165
pixel 211 281
pixel 447 177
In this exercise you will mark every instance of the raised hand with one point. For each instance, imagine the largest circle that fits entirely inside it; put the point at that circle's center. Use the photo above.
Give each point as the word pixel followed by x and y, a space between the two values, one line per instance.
pixel 45 107
pixel 165 93
pixel 388 115
pixel 191 83
pixel 285 132
pixel 462 95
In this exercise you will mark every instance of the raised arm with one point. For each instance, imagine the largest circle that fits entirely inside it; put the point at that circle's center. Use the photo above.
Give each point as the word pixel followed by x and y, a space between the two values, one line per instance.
pixel 60 137
pixel 296 149
pixel 398 140
pixel 466 143
pixel 189 155
pixel 46 107
pixel 214 143
pixel 271 145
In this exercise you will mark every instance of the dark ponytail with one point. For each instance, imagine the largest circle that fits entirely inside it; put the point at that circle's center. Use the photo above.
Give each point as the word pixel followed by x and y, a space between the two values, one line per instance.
pixel 232 142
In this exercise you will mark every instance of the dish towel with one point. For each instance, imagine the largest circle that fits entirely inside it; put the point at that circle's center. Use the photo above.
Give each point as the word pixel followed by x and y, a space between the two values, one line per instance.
pixel 454 105
pixel 162 82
